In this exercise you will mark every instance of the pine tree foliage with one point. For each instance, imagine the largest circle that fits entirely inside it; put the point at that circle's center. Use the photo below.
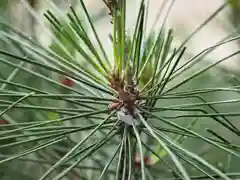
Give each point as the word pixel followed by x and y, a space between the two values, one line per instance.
pixel 145 109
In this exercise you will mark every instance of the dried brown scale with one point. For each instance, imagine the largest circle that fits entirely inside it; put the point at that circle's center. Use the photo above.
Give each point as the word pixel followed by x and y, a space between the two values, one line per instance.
pixel 111 4
pixel 116 83
pixel 126 93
